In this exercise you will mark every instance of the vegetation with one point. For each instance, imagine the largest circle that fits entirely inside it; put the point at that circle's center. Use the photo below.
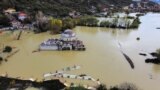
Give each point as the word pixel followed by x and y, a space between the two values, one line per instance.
pixel 1 59
pixel 124 86
pixel 135 23
pixel 127 86
pixel 42 23
pixel 68 23
pixel 88 21
pixel 114 23
pixel 140 14
pixel 10 83
pixel 55 25
pixel 130 17
pixel 105 24
pixel 155 60
pixel 76 88
pixel 158 53
pixel 26 21
pixel 4 20
pixel 7 49
pixel 102 87
pixel 61 7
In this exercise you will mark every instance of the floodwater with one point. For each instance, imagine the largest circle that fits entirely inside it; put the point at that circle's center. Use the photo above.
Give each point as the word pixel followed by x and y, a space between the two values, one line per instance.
pixel 102 59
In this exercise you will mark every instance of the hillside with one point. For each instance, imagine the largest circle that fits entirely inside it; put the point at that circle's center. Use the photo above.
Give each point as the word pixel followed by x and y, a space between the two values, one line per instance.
pixel 61 7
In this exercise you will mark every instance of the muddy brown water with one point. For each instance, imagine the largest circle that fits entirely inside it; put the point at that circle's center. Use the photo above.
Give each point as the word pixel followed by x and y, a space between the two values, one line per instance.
pixel 102 58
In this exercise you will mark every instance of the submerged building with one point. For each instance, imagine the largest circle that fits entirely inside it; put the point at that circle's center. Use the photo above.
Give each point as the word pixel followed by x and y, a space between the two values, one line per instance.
pixel 67 41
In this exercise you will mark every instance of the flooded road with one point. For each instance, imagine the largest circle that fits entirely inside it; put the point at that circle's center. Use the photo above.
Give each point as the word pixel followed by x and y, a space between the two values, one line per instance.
pixel 102 58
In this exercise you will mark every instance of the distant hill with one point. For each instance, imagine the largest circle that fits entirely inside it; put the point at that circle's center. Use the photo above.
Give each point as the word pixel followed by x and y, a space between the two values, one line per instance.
pixel 61 7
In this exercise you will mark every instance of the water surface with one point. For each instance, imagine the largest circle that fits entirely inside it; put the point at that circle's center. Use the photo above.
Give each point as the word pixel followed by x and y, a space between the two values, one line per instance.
pixel 102 59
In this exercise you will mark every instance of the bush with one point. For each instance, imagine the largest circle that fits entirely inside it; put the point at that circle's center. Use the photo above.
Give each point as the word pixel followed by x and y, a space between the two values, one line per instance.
pixel 27 21
pixel 55 25
pixel 7 49
pixel 1 59
pixel 4 20
pixel 128 86
pixel 102 87
pixel 68 23
pixel 105 24
pixel 42 22
pixel 135 23
pixel 140 14
pixel 88 21
pixel 154 60
pixel 77 88
pixel 158 53
pixel 114 88
pixel 130 17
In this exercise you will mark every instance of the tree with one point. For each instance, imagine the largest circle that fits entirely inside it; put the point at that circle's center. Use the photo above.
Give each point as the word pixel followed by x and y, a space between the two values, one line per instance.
pixel 127 12
pixel 4 20
pixel 7 49
pixel 135 23
pixel 102 87
pixel 55 25
pixel 68 23
pixel 88 21
pixel 42 22
pixel 77 88
pixel 128 86
pixel 1 59
pixel 158 53
pixel 114 22
pixel 105 24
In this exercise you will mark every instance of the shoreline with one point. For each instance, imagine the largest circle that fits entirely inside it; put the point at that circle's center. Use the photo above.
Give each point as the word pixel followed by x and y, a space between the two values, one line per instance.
pixel 10 83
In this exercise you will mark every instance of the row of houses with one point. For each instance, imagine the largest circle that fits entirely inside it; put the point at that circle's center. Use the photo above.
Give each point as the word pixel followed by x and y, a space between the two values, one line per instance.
pixel 16 18
pixel 142 5
pixel 11 11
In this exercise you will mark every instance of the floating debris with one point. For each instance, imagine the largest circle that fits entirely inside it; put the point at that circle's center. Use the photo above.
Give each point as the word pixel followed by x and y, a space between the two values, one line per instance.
pixel 129 60
pixel 61 74
pixel 126 56
pixel 142 54
pixel 138 38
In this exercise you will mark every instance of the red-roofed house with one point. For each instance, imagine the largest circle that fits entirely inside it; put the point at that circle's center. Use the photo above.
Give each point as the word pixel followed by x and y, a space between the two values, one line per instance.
pixel 22 16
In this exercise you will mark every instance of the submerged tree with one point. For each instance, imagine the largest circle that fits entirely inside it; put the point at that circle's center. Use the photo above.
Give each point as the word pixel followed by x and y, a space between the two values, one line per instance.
pixel 88 21
pixel 105 24
pixel 158 53
pixel 101 87
pixel 68 23
pixel 114 22
pixel 1 59
pixel 135 23
pixel 42 22
pixel 128 86
pixel 76 88
pixel 7 49
pixel 4 20
pixel 55 25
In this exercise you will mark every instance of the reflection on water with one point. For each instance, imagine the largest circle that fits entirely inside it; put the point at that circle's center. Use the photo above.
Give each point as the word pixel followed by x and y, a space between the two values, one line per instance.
pixel 102 59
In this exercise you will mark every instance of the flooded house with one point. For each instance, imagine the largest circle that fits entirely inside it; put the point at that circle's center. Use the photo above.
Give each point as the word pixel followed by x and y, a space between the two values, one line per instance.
pixel 68 41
